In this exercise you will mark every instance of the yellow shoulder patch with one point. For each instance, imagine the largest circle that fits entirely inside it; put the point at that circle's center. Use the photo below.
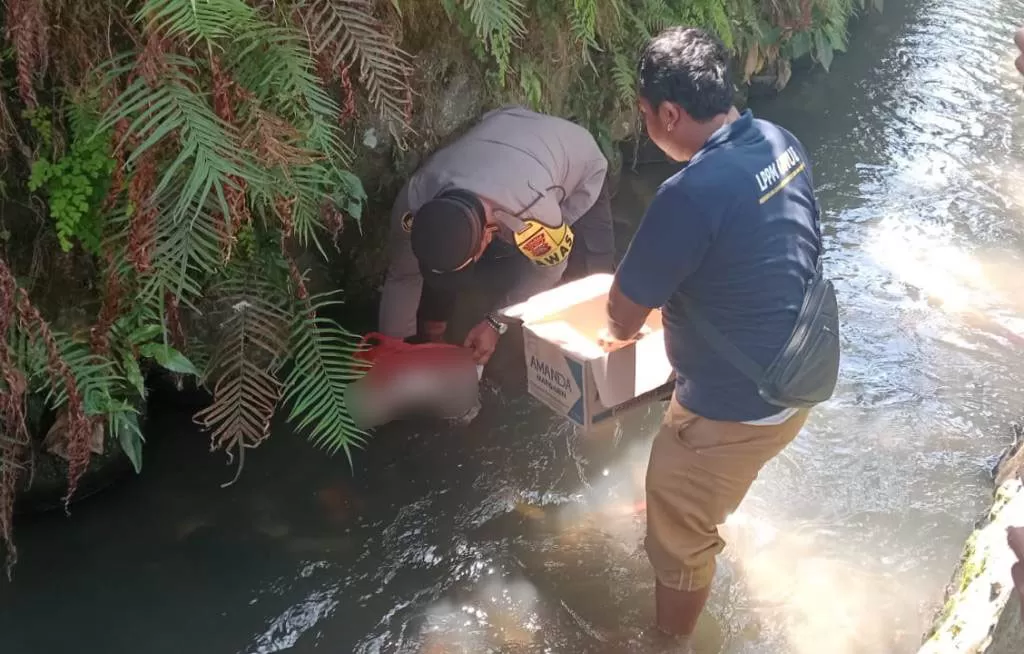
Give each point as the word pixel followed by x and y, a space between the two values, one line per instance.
pixel 543 245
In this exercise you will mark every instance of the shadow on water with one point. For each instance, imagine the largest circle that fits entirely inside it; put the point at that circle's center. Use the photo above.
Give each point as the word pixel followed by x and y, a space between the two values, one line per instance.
pixel 517 534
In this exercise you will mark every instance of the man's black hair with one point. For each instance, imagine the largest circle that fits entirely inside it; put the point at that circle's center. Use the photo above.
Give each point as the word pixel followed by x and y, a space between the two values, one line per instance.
pixel 690 67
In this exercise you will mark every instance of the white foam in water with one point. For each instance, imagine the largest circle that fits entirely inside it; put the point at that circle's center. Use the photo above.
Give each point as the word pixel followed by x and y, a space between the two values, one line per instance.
pixel 500 613
pixel 924 256
pixel 806 587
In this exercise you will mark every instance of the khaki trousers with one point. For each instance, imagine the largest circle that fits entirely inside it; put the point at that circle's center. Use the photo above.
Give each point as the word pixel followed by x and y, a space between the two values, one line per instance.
pixel 699 472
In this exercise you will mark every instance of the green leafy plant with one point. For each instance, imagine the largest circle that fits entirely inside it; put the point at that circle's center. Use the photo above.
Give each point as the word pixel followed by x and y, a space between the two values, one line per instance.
pixel 196 163
pixel 75 183
pixel 497 25
pixel 525 42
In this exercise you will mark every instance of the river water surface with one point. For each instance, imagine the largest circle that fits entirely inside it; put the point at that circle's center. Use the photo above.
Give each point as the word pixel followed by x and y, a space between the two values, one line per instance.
pixel 516 534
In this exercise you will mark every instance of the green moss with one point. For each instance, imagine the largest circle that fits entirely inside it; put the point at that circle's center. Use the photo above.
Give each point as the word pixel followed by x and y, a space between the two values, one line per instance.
pixel 947 612
pixel 967 571
pixel 1003 495
pixel 972 570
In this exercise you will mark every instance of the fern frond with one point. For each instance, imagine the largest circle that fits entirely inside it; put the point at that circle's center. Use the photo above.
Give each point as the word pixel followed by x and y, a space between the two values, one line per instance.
pixel 312 186
pixel 274 63
pixel 624 78
pixel 323 365
pixel 711 15
pixel 246 391
pixel 498 25
pixel 346 33
pixel 28 356
pixel 720 23
pixel 609 20
pixel 192 186
pixel 209 150
pixel 496 17
pixel 656 15
pixel 635 31
pixel 185 256
pixel 276 67
pixel 196 20
pixel 271 61
pixel 583 25
pixel 95 375
pixel 531 85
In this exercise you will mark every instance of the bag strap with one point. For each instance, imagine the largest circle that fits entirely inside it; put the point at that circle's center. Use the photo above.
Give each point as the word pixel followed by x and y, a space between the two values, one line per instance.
pixel 723 345
pixel 817 232
pixel 725 348
pixel 750 368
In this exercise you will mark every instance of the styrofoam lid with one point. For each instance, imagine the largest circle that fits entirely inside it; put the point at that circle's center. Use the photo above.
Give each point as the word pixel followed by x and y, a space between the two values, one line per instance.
pixel 556 299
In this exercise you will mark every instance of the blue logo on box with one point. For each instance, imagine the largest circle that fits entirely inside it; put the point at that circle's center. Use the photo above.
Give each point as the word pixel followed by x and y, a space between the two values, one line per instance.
pixel 576 369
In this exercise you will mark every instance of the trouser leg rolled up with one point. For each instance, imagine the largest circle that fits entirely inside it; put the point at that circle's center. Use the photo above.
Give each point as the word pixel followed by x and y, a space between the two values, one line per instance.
pixel 699 472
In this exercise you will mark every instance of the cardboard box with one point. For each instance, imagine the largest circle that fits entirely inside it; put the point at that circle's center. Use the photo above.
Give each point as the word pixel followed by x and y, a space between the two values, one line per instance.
pixel 570 372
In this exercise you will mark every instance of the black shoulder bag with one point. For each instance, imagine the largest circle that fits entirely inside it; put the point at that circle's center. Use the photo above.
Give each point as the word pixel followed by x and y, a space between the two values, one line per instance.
pixel 805 372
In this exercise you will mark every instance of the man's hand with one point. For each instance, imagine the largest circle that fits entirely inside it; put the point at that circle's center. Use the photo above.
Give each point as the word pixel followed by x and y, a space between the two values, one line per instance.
pixel 1018 38
pixel 609 342
pixel 1015 538
pixel 482 339
pixel 626 318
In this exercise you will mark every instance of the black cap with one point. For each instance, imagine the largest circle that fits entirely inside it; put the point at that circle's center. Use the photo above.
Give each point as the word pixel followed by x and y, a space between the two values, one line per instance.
pixel 446 232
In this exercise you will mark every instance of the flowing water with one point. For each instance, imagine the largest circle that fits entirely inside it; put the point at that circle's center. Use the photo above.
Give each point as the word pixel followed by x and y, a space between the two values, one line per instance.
pixel 517 534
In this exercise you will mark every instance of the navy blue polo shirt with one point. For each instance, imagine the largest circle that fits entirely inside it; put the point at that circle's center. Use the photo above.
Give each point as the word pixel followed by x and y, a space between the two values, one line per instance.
pixel 734 231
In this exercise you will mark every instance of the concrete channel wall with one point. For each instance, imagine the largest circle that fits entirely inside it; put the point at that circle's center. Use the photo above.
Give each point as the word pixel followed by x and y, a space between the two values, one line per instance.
pixel 982 614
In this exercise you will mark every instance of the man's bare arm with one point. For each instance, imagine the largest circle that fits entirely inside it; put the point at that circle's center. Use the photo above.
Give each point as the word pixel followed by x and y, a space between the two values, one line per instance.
pixel 625 317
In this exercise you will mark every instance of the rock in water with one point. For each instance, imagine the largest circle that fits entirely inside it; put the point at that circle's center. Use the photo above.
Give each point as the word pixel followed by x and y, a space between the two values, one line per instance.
pixel 1011 459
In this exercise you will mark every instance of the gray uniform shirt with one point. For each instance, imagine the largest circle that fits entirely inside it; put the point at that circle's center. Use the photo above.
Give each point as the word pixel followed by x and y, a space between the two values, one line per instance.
pixel 529 165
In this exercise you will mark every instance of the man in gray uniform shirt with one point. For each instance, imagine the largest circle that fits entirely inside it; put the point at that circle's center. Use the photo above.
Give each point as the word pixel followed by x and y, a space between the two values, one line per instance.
pixel 516 204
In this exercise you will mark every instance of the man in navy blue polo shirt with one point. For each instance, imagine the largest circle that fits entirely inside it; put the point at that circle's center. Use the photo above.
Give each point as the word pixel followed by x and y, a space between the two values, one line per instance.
pixel 735 231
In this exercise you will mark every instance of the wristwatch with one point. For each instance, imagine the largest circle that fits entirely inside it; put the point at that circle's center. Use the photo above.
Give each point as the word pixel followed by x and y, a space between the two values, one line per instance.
pixel 496 324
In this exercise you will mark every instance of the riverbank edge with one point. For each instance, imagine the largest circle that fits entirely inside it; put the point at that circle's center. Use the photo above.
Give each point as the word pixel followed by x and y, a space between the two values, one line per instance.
pixel 981 613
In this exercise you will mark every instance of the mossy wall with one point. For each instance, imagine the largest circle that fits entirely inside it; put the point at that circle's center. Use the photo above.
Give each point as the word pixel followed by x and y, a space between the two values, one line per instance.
pixel 981 613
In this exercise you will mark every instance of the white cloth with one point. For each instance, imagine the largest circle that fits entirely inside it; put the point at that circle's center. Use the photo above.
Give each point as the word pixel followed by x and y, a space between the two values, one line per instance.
pixel 775 419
